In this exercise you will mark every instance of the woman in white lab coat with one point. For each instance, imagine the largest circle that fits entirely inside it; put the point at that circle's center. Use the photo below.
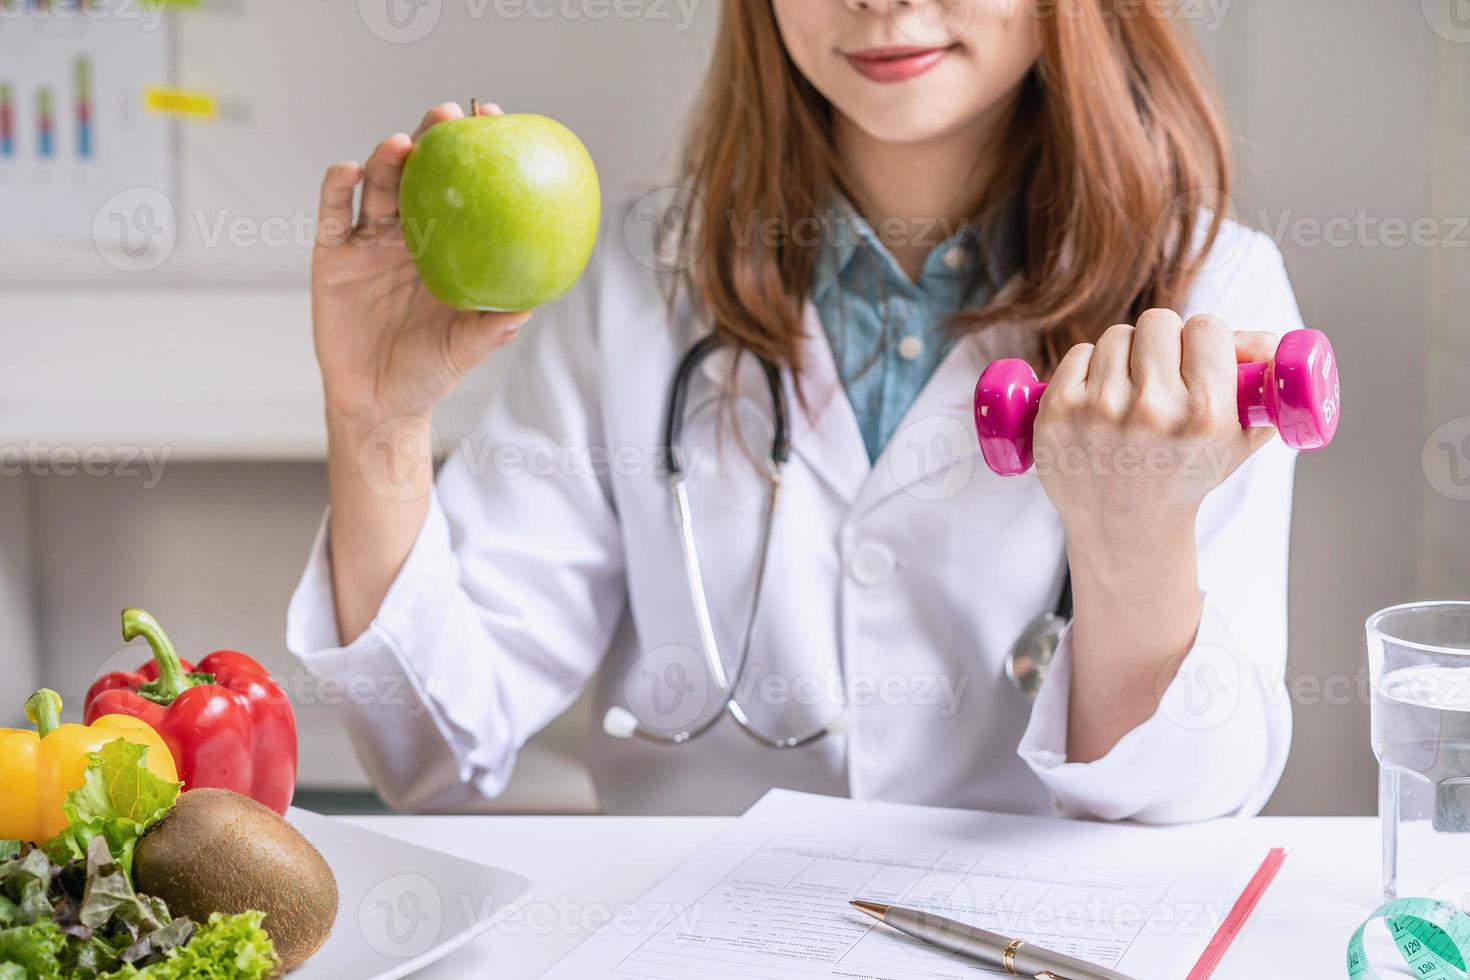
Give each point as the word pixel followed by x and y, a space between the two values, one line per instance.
pixel 886 196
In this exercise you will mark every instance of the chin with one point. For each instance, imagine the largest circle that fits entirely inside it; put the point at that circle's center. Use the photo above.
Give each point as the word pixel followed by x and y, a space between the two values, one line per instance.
pixel 910 120
pixel 912 127
pixel 936 105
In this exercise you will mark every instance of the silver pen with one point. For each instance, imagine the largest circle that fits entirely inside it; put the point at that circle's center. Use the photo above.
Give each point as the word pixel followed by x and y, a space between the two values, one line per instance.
pixel 1016 956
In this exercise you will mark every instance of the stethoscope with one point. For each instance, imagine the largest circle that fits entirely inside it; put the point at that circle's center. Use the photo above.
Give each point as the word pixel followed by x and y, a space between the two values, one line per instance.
pixel 1030 657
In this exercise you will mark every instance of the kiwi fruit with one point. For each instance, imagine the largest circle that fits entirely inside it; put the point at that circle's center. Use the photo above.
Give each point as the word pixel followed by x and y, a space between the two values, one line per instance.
pixel 218 851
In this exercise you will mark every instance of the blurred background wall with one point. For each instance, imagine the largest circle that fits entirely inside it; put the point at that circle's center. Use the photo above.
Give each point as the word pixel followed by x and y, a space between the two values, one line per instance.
pixel 1352 124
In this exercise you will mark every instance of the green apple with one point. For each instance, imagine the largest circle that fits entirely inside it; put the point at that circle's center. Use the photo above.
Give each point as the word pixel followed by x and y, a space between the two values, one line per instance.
pixel 500 212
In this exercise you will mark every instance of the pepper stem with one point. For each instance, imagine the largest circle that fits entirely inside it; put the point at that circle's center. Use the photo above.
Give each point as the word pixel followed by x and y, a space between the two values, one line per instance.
pixel 172 681
pixel 43 709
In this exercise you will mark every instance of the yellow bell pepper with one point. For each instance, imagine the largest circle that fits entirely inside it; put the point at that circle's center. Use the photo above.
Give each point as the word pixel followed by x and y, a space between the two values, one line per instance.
pixel 38 768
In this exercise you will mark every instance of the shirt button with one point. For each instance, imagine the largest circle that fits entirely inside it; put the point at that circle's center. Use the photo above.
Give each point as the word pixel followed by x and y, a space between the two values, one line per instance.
pixel 954 256
pixel 910 348
pixel 871 564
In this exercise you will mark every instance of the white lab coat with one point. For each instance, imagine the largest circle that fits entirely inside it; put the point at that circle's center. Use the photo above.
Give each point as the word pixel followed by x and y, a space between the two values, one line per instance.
pixel 550 560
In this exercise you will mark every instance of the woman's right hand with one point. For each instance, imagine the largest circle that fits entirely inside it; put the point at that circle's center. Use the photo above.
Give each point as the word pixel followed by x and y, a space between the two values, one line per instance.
pixel 387 348
pixel 389 352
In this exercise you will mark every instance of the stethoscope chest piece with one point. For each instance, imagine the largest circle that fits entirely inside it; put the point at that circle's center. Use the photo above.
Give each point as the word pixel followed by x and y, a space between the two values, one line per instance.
pixel 1036 647
pixel 1033 652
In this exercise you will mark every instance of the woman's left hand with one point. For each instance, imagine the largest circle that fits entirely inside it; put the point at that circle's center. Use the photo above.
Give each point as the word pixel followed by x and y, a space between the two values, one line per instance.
pixel 1131 434
pixel 1134 431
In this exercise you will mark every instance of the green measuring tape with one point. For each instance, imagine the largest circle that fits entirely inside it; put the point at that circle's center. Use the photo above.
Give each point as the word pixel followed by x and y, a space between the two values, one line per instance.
pixel 1433 936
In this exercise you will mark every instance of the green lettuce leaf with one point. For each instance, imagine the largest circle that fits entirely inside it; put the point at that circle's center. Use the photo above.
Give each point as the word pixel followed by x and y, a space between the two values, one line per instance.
pixel 81 919
pixel 90 958
pixel 227 947
pixel 36 949
pixel 9 849
pixel 110 893
pixel 158 942
pixel 23 885
pixel 119 800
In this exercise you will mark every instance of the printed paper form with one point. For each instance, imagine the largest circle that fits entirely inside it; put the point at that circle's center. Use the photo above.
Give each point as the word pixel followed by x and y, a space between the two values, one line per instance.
pixel 768 899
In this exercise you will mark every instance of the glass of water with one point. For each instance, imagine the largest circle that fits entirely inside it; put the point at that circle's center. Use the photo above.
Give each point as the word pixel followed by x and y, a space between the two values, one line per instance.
pixel 1419 669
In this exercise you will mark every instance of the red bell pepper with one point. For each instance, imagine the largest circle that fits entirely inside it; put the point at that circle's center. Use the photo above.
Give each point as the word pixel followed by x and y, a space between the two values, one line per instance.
pixel 227 723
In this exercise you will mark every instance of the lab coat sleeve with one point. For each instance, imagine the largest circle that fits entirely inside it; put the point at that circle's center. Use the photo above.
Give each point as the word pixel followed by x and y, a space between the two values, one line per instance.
pixel 1217 743
pixel 509 597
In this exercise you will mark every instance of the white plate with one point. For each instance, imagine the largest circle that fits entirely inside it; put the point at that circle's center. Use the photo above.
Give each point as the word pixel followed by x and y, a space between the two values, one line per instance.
pixel 401 906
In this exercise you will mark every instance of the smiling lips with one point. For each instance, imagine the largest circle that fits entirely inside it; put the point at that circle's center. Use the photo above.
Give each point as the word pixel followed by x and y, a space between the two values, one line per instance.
pixel 896 64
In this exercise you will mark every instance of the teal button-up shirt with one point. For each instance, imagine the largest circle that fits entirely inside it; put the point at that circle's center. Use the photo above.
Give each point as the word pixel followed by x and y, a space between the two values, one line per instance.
pixel 889 333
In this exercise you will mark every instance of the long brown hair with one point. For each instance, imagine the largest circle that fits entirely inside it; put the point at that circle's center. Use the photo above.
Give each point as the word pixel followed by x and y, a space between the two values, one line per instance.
pixel 1114 144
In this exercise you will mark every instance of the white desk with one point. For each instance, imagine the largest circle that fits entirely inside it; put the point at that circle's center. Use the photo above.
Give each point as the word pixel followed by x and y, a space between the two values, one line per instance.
pixel 586 868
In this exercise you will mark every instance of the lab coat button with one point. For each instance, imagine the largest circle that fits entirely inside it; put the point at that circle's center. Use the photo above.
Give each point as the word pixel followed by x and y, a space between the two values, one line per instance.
pixel 871 564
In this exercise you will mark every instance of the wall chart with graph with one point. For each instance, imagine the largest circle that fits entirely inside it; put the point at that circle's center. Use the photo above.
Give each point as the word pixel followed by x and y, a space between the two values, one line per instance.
pixel 74 133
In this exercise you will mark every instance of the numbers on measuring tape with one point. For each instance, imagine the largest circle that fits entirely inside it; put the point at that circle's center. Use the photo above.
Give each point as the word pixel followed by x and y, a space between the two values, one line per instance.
pixel 1432 936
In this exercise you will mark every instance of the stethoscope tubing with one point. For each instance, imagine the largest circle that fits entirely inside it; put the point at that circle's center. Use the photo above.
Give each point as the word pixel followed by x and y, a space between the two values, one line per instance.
pixel 623 724
pixel 727 684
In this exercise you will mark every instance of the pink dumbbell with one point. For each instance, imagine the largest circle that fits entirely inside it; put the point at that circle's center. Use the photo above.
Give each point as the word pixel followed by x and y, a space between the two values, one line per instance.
pixel 1296 391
